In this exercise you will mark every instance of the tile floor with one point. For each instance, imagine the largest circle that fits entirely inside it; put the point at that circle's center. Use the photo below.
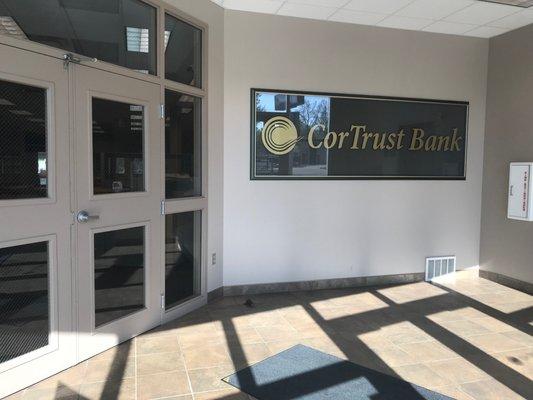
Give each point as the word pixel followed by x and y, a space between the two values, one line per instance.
pixel 464 336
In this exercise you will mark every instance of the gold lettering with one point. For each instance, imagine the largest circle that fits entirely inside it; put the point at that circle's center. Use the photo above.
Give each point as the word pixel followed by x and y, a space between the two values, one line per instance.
pixel 444 143
pixel 310 136
pixel 330 140
pixel 366 136
pixel 392 141
pixel 379 145
pixel 383 141
pixel 342 136
pixel 431 143
pixel 358 129
pixel 455 141
pixel 399 144
pixel 416 142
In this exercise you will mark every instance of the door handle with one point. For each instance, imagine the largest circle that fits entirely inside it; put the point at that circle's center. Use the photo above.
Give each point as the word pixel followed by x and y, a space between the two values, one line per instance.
pixel 84 216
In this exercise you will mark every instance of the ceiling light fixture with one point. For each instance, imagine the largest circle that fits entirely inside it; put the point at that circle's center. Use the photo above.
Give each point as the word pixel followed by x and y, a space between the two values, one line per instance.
pixel 137 39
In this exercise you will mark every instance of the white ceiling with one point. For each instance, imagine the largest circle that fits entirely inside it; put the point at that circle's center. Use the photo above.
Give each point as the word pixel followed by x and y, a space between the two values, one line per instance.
pixel 457 17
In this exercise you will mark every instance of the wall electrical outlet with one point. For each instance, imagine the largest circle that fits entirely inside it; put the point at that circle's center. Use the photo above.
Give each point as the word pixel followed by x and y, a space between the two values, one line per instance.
pixel 213 258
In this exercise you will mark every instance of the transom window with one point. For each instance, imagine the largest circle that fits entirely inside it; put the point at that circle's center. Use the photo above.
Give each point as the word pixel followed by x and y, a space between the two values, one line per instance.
pixel 121 32
pixel 183 52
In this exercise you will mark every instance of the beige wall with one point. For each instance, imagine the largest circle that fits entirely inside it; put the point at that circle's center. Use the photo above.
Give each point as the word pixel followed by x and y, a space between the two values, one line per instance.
pixel 212 15
pixel 507 245
pixel 276 231
pixel 283 231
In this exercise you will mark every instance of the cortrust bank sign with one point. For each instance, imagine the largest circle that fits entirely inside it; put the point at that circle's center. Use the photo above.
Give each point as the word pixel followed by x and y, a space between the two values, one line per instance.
pixel 298 135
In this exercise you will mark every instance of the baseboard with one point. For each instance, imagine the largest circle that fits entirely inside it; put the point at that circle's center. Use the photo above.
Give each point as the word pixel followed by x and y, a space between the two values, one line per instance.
pixel 514 283
pixel 215 294
pixel 341 283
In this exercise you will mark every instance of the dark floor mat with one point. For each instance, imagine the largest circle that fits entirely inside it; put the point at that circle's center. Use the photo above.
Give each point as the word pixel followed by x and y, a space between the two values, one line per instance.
pixel 307 374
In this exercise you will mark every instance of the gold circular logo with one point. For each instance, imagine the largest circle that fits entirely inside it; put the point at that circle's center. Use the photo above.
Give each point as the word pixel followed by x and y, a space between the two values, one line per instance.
pixel 279 135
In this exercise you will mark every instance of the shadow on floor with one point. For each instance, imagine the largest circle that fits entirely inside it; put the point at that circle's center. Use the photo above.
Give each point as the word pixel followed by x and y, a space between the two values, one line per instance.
pixel 477 349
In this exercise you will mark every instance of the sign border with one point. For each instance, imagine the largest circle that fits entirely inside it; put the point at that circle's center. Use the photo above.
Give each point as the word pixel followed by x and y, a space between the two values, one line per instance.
pixel 254 177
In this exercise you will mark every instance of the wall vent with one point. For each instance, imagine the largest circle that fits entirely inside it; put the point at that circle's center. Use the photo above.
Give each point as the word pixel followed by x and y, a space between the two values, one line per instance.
pixel 438 266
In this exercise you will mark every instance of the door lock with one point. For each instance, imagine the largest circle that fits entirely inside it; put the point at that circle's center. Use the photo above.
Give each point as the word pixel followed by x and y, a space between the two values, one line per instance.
pixel 84 216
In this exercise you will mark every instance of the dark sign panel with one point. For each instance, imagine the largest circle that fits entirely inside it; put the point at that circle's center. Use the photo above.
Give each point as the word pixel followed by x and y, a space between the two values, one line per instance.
pixel 298 135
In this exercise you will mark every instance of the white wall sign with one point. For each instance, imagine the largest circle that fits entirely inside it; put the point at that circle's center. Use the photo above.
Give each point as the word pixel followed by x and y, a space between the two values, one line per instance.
pixel 520 203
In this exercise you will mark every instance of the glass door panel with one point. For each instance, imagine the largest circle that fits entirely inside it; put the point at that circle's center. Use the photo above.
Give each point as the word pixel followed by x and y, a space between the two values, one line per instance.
pixel 118 186
pixel 119 260
pixel 23 137
pixel 118 141
pixel 24 299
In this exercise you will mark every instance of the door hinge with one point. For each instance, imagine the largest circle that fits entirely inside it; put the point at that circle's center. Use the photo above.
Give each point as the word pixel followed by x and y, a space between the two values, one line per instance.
pixel 162 301
pixel 162 111
pixel 162 207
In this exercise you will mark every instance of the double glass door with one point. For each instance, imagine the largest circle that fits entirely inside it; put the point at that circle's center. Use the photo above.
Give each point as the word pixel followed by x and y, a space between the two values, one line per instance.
pixel 86 255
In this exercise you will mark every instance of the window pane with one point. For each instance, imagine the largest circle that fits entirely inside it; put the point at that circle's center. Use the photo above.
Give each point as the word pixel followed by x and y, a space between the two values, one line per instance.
pixel 183 251
pixel 183 52
pixel 118 274
pixel 183 148
pixel 121 32
pixel 23 134
pixel 118 156
pixel 24 310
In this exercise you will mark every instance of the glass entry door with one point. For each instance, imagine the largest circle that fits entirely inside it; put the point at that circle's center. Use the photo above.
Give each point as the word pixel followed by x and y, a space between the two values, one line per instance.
pixel 36 329
pixel 118 215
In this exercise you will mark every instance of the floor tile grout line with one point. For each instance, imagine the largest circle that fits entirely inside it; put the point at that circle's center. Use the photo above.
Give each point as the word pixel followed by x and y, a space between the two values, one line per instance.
pixel 211 366
pixel 439 389
pixel 163 372
pixel 465 393
pixel 169 397
pixel 186 367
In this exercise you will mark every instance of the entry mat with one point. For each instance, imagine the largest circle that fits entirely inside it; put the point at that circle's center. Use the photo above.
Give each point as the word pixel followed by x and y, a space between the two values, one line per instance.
pixel 304 373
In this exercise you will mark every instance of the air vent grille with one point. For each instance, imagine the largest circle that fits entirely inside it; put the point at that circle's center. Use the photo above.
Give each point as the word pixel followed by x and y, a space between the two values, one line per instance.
pixel 438 266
